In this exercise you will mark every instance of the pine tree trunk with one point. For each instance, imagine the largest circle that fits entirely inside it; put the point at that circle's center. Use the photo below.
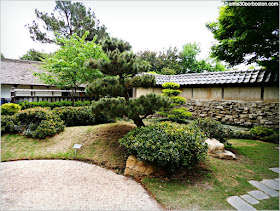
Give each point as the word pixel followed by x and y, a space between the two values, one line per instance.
pixel 139 122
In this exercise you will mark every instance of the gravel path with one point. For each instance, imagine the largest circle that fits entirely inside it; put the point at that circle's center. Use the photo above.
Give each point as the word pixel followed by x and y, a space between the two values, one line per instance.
pixel 69 185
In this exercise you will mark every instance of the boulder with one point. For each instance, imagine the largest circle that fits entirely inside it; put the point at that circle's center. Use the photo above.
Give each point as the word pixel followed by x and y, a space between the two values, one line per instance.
pixel 136 168
pixel 217 149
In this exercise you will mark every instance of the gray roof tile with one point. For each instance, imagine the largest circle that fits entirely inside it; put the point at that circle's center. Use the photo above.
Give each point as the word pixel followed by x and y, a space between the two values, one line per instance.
pixel 227 77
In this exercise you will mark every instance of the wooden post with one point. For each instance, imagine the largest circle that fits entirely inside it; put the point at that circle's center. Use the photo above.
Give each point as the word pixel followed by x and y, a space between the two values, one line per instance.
pixel 13 95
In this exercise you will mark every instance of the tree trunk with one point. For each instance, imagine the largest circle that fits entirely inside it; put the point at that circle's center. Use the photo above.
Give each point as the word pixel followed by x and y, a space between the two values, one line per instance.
pixel 139 122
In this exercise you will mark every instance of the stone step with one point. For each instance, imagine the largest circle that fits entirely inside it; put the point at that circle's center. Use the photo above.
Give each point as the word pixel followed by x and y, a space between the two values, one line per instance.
pixel 239 203
pixel 258 194
pixel 271 183
pixel 249 199
pixel 275 170
pixel 269 191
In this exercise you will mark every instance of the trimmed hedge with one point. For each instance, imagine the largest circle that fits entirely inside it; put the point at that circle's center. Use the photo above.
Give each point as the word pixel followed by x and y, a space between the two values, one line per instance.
pixel 166 144
pixel 265 134
pixel 52 105
pixel 80 116
pixel 9 108
pixel 213 129
pixel 34 122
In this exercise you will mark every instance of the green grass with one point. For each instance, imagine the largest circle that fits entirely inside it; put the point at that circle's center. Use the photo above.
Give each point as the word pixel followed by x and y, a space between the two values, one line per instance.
pixel 205 187
pixel 208 186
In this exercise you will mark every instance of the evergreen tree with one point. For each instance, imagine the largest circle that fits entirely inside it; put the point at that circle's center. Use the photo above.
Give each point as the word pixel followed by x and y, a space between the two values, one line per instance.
pixel 67 19
pixel 122 70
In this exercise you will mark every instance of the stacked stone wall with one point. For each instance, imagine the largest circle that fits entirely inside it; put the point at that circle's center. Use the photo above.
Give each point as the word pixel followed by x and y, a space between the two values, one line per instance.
pixel 236 112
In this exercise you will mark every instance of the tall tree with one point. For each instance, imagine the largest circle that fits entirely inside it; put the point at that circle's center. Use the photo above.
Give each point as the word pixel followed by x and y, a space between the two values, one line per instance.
pixel 66 67
pixel 34 55
pixel 190 63
pixel 247 34
pixel 67 19
pixel 121 70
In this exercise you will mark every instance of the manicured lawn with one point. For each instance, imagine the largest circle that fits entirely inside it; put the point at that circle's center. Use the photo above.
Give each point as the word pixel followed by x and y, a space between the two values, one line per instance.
pixel 205 187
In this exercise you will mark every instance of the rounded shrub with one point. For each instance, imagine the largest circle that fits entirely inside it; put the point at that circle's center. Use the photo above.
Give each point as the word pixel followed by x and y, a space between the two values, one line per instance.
pixel 7 124
pixel 10 108
pixel 178 100
pixel 170 85
pixel 166 144
pixel 265 134
pixel 38 123
pixel 213 129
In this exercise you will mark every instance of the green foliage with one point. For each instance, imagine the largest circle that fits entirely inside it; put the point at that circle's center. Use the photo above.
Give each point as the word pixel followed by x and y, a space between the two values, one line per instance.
pixel 170 85
pixel 67 19
pixel 243 31
pixel 34 55
pixel 2 56
pixel 265 134
pixel 7 124
pixel 166 144
pixel 121 70
pixel 213 129
pixel 168 71
pixel 35 122
pixel 190 64
pixel 9 108
pixel 178 100
pixel 52 105
pixel 164 59
pixel 111 44
pixel 66 67
pixel 179 114
pixel 171 92
pixel 75 116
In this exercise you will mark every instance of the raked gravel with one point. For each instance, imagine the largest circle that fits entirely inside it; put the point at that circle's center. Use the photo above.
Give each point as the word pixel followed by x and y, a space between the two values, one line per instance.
pixel 69 185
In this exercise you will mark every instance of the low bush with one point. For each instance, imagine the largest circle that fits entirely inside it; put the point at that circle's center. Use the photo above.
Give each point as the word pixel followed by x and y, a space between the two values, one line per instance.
pixel 80 116
pixel 34 122
pixel 7 124
pixel 9 108
pixel 52 105
pixel 166 144
pixel 213 129
pixel 265 134
pixel 170 85
pixel 75 116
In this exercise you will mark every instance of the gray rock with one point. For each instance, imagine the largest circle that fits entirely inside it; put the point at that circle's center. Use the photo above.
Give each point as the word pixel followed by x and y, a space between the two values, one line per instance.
pixel 269 191
pixel 239 203
pixel 271 183
pixel 275 170
pixel 249 199
pixel 277 179
pixel 258 194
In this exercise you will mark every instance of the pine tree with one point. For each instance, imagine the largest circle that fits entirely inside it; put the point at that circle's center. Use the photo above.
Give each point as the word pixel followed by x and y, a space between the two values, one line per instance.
pixel 67 19
pixel 122 70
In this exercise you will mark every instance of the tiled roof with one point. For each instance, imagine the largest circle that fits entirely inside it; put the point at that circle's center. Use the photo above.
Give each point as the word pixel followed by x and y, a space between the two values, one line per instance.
pixel 15 71
pixel 226 77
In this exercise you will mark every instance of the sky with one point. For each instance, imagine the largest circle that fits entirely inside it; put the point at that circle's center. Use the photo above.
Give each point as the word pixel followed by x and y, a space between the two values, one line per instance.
pixel 152 25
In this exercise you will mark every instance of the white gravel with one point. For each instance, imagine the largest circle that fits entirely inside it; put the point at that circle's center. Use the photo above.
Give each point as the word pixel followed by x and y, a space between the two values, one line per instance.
pixel 69 185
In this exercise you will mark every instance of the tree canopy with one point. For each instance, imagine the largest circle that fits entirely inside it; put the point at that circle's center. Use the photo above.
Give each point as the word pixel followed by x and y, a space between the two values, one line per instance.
pixel 121 69
pixel 66 67
pixel 67 19
pixel 247 34
pixel 34 55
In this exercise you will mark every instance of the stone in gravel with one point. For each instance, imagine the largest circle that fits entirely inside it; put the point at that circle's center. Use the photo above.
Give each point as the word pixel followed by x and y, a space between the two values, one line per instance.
pixel 275 170
pixel 239 204
pixel 249 199
pixel 271 183
pixel 258 194
pixel 269 191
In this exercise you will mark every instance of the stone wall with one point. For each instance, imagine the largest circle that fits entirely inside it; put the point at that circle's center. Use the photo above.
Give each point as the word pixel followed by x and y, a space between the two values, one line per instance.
pixel 237 112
